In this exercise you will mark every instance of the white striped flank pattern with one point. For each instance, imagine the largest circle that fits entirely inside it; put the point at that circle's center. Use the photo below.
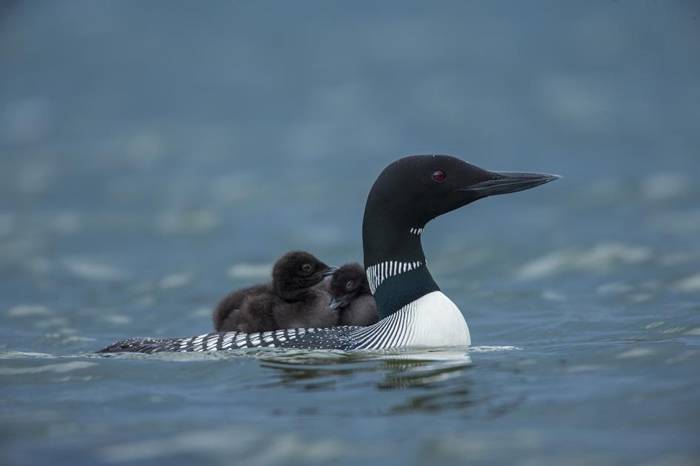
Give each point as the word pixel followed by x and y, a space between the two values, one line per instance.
pixel 394 331
pixel 416 231
pixel 376 274
pixel 240 340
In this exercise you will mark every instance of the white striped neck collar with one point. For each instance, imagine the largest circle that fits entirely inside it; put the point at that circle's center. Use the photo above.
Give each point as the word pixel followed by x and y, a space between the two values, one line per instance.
pixel 378 273
pixel 395 283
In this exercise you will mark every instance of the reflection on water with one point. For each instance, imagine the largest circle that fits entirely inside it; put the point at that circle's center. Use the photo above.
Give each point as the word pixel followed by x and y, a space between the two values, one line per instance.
pixel 399 373
pixel 405 374
pixel 401 369
pixel 457 399
pixel 431 381
pixel 431 372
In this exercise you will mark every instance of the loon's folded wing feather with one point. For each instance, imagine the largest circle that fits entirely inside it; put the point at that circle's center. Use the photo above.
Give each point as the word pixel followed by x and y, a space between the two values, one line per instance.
pixel 315 338
pixel 139 345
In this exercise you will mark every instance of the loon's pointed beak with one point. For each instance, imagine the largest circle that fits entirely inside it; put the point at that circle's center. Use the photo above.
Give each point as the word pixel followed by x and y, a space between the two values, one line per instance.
pixel 330 271
pixel 508 182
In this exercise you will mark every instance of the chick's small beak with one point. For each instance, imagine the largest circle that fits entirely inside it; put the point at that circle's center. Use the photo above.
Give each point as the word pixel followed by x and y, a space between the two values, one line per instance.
pixel 339 302
pixel 330 271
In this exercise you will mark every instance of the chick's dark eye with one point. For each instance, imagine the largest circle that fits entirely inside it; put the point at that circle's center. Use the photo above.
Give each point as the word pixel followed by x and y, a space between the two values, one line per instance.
pixel 438 176
pixel 349 284
pixel 307 268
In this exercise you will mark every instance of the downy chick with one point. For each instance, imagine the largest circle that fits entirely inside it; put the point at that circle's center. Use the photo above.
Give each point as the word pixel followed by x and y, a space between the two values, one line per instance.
pixel 351 295
pixel 291 300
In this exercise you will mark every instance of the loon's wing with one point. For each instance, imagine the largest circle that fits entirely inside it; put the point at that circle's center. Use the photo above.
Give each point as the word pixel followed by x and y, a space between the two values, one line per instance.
pixel 307 338
pixel 142 345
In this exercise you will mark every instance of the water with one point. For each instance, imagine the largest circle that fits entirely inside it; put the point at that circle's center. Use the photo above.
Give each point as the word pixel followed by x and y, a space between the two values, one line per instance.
pixel 154 156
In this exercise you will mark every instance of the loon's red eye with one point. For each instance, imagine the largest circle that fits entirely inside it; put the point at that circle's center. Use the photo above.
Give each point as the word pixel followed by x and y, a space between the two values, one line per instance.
pixel 439 176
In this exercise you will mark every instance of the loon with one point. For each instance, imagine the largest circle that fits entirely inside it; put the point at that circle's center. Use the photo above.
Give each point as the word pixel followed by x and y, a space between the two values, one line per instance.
pixel 292 300
pixel 413 311
pixel 350 294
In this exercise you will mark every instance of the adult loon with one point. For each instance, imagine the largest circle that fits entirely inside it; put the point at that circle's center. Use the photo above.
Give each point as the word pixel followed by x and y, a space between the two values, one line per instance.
pixel 291 300
pixel 414 312
pixel 350 294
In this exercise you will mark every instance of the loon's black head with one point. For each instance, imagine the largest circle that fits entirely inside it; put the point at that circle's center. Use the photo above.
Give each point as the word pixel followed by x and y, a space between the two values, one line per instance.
pixel 415 189
pixel 296 271
pixel 419 188
pixel 347 282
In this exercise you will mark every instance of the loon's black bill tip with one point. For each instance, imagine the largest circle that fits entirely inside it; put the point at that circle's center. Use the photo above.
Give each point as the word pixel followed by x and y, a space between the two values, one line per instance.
pixel 330 271
pixel 510 182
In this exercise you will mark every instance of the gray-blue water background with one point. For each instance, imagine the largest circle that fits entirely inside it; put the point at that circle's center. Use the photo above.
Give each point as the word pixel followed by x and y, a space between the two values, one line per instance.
pixel 154 155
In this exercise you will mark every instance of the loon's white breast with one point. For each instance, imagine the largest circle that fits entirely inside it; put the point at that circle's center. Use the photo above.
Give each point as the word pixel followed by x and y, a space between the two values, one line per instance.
pixel 432 320
pixel 438 322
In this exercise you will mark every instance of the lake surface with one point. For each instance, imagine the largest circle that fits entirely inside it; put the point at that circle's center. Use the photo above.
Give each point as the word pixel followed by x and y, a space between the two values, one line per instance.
pixel 155 156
